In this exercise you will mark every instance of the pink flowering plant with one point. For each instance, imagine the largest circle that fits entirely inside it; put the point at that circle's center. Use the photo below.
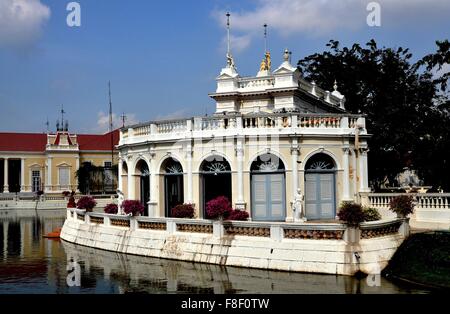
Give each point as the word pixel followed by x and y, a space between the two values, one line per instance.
pixel 86 202
pixel 218 208
pixel 133 207
pixel 183 211
pixel 111 209
pixel 237 214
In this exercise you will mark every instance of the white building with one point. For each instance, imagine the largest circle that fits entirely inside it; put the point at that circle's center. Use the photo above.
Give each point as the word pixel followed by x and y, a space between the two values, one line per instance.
pixel 271 135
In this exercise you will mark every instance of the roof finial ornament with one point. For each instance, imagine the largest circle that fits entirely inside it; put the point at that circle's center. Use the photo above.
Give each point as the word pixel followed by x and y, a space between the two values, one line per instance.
pixel 230 60
pixel 287 55
pixel 265 37
pixel 335 86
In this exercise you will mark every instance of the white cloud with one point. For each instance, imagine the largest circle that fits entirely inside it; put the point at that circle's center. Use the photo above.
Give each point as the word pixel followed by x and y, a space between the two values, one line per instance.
pixel 178 114
pixel 103 121
pixel 325 17
pixel 239 43
pixel 21 22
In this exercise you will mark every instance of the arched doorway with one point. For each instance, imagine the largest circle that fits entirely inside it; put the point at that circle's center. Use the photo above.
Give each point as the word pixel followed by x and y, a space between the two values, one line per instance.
pixel 173 184
pixel 215 180
pixel 144 184
pixel 268 189
pixel 320 187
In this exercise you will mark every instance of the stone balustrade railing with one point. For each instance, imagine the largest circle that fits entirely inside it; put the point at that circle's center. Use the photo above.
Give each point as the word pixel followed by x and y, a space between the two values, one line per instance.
pixel 256 82
pixel 293 121
pixel 48 197
pixel 272 230
pixel 438 201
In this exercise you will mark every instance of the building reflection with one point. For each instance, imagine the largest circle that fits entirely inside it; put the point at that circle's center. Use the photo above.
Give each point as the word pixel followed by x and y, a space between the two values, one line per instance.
pixel 32 264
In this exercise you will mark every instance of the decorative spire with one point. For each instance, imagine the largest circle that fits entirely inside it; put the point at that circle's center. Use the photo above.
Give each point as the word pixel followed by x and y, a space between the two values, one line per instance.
pixel 265 38
pixel 228 33
pixel 64 125
pixel 335 86
pixel 230 60
pixel 123 117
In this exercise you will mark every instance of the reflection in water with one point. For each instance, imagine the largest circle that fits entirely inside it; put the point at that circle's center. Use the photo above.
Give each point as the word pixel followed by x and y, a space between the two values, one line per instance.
pixel 32 264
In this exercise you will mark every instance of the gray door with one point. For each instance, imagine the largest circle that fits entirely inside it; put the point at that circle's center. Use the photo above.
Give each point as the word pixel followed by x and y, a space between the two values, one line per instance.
pixel 268 197
pixel 320 196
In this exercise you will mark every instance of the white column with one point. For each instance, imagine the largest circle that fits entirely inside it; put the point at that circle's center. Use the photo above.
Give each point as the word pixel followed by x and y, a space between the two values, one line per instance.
pixel 77 163
pixel 363 178
pixel 294 154
pixel 153 204
pixel 22 175
pixel 49 184
pixel 5 176
pixel 346 181
pixel 131 184
pixel 190 194
pixel 240 203
pixel 119 176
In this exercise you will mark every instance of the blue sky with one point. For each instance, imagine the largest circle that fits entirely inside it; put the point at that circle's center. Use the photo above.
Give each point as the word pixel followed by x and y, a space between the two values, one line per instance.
pixel 162 57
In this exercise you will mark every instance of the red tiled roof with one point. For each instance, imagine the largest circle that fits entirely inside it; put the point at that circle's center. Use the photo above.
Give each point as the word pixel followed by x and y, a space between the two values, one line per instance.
pixel 35 142
pixel 97 142
pixel 23 142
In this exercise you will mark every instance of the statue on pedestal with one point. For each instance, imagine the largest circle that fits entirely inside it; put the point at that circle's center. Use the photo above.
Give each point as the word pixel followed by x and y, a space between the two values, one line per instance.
pixel 299 214
pixel 120 198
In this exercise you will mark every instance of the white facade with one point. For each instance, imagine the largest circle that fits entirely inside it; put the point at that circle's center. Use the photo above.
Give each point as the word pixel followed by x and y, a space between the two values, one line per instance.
pixel 271 135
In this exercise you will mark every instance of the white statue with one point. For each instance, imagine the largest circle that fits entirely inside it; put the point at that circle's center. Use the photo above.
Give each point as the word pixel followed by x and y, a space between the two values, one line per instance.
pixel 120 198
pixel 299 214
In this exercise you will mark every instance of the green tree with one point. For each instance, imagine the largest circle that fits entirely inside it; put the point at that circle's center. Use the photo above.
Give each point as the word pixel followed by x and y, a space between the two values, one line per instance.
pixel 398 97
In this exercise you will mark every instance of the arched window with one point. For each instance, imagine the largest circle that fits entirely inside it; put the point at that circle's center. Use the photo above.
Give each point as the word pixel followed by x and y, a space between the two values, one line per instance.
pixel 320 162
pixel 215 180
pixel 267 163
pixel 173 184
pixel 268 188
pixel 320 187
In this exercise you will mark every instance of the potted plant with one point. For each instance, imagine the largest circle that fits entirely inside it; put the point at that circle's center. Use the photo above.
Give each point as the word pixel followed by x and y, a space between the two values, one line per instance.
pixel 111 209
pixel 218 208
pixel 183 211
pixel 402 205
pixel 87 203
pixel 371 214
pixel 352 214
pixel 71 203
pixel 132 207
pixel 66 194
pixel 237 214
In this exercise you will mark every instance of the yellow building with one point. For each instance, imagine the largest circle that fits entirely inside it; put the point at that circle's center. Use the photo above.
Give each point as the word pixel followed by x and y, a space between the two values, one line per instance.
pixel 31 162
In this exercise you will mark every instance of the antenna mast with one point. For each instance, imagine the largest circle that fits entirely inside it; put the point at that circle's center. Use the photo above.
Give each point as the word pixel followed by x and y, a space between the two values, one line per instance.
pixel 111 124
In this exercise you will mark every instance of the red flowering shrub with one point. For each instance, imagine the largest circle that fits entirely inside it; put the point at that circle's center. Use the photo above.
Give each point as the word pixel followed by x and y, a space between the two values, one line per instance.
pixel 351 213
pixel 86 202
pixel 111 209
pixel 71 203
pixel 66 193
pixel 237 214
pixel 133 207
pixel 218 208
pixel 183 211
pixel 403 205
